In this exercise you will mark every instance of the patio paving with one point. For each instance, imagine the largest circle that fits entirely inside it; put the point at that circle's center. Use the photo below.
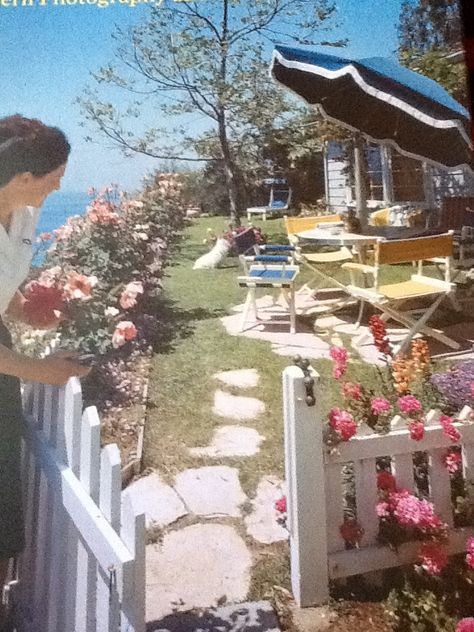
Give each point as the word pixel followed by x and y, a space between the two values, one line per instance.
pixel 237 406
pixel 262 522
pixel 241 378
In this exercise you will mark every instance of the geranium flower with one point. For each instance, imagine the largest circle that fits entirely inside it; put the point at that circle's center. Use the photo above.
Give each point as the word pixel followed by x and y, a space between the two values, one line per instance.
pixel 343 423
pixel 124 332
pixel 379 405
pixel 433 558
pixel 465 625
pixel 386 481
pixel 452 460
pixel 339 355
pixel 351 531
pixel 449 428
pixel 409 404
pixel 280 504
pixel 79 286
pixel 417 430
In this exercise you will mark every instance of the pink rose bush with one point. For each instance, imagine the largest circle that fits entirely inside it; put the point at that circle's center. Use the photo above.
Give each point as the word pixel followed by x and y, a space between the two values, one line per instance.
pixel 101 280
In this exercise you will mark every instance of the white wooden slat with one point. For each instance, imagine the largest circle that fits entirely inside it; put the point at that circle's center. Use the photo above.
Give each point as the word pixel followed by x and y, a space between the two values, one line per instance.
pixel 90 476
pixel 334 506
pixel 402 469
pixel 70 411
pixel 366 499
pixel 396 442
pixel 109 501
pixel 308 543
pixel 133 532
pixel 45 509
pixel 57 575
pixel 110 484
pixel 356 561
pixel 440 486
pixel 103 540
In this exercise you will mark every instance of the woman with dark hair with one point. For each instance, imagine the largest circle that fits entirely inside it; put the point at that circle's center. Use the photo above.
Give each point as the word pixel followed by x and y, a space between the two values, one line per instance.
pixel 33 159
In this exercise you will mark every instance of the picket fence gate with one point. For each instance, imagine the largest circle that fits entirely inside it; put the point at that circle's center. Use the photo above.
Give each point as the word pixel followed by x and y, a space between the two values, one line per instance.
pixel 83 567
pixel 315 490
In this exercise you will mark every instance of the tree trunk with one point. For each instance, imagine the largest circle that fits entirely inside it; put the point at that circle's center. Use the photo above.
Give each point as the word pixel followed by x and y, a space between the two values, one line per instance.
pixel 230 172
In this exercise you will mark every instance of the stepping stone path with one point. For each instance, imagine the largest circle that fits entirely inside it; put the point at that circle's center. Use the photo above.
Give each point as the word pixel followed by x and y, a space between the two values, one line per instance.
pixel 201 560
pixel 237 407
pixel 231 441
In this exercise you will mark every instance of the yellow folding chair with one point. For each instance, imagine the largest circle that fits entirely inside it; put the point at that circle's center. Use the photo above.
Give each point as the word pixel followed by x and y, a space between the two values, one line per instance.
pixel 315 261
pixel 391 298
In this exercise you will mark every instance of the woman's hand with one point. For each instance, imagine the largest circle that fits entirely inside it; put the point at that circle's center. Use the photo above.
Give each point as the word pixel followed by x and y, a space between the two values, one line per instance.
pixel 54 369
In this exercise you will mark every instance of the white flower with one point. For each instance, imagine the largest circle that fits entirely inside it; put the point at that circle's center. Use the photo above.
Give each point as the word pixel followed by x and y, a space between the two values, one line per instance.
pixel 111 311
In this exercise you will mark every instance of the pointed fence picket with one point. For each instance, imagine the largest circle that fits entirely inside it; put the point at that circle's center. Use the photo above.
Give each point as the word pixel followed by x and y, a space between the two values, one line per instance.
pixel 316 500
pixel 83 566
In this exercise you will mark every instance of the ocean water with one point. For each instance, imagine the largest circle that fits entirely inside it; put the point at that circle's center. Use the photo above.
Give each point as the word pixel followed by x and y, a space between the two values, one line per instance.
pixel 55 211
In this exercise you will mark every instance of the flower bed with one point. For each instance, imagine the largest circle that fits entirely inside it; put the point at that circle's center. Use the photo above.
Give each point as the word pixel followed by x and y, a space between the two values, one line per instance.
pixel 100 287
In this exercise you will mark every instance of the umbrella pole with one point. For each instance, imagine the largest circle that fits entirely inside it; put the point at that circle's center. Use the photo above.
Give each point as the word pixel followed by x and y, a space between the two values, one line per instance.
pixel 360 190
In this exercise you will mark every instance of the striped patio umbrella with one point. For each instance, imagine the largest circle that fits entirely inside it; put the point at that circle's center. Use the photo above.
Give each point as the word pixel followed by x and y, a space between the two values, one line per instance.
pixel 386 102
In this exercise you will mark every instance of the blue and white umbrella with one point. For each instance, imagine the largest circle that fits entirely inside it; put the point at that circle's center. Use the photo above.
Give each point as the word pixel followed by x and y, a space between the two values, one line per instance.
pixel 381 99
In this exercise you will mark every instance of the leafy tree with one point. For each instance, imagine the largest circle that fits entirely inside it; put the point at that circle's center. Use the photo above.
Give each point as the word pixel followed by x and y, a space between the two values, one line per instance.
pixel 429 24
pixel 209 59
pixel 428 32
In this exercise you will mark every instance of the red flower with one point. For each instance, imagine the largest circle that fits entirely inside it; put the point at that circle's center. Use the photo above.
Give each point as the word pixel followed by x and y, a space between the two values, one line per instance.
pixel 465 625
pixel 386 481
pixel 351 531
pixel 449 428
pixel 280 505
pixel 417 430
pixel 433 558
pixel 43 305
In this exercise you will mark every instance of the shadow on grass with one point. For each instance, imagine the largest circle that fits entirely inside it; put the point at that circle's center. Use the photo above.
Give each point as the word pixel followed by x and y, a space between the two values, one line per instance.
pixel 177 324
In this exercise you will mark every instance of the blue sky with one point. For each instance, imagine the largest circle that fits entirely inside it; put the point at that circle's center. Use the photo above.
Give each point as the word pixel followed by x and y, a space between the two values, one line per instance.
pixel 47 53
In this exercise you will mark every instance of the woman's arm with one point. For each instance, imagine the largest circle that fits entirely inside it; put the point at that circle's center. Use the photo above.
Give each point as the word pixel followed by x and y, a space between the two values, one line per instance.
pixel 54 369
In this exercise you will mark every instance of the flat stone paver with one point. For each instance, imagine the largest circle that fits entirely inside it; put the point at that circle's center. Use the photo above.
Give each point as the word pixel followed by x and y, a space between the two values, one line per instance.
pixel 231 441
pixel 304 342
pixel 237 406
pixel 262 522
pixel 161 504
pixel 241 378
pixel 254 616
pixel 211 491
pixel 196 567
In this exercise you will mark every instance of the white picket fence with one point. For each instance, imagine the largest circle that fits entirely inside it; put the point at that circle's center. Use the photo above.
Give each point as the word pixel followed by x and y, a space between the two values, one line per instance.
pixel 315 498
pixel 83 568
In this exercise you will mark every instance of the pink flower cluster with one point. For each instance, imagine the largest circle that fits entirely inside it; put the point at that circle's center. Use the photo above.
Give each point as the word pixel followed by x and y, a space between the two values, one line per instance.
pixel 409 404
pixel 343 423
pixel 465 625
pixel 449 428
pixel 417 429
pixel 470 552
pixel 410 511
pixel 452 461
pixel 339 355
pixel 379 405
pixel 102 212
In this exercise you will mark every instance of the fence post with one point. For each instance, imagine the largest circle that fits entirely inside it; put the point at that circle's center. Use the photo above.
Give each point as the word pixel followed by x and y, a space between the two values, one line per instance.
pixel 306 498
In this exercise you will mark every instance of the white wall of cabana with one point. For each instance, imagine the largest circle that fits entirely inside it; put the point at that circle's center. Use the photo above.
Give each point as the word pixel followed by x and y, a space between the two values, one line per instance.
pixel 390 178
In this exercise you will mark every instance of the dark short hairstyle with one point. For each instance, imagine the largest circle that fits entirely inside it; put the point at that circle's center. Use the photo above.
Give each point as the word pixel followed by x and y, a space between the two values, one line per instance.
pixel 30 145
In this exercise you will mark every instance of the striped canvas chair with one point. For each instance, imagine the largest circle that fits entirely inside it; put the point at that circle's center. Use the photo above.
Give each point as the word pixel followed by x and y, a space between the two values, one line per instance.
pixel 391 299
